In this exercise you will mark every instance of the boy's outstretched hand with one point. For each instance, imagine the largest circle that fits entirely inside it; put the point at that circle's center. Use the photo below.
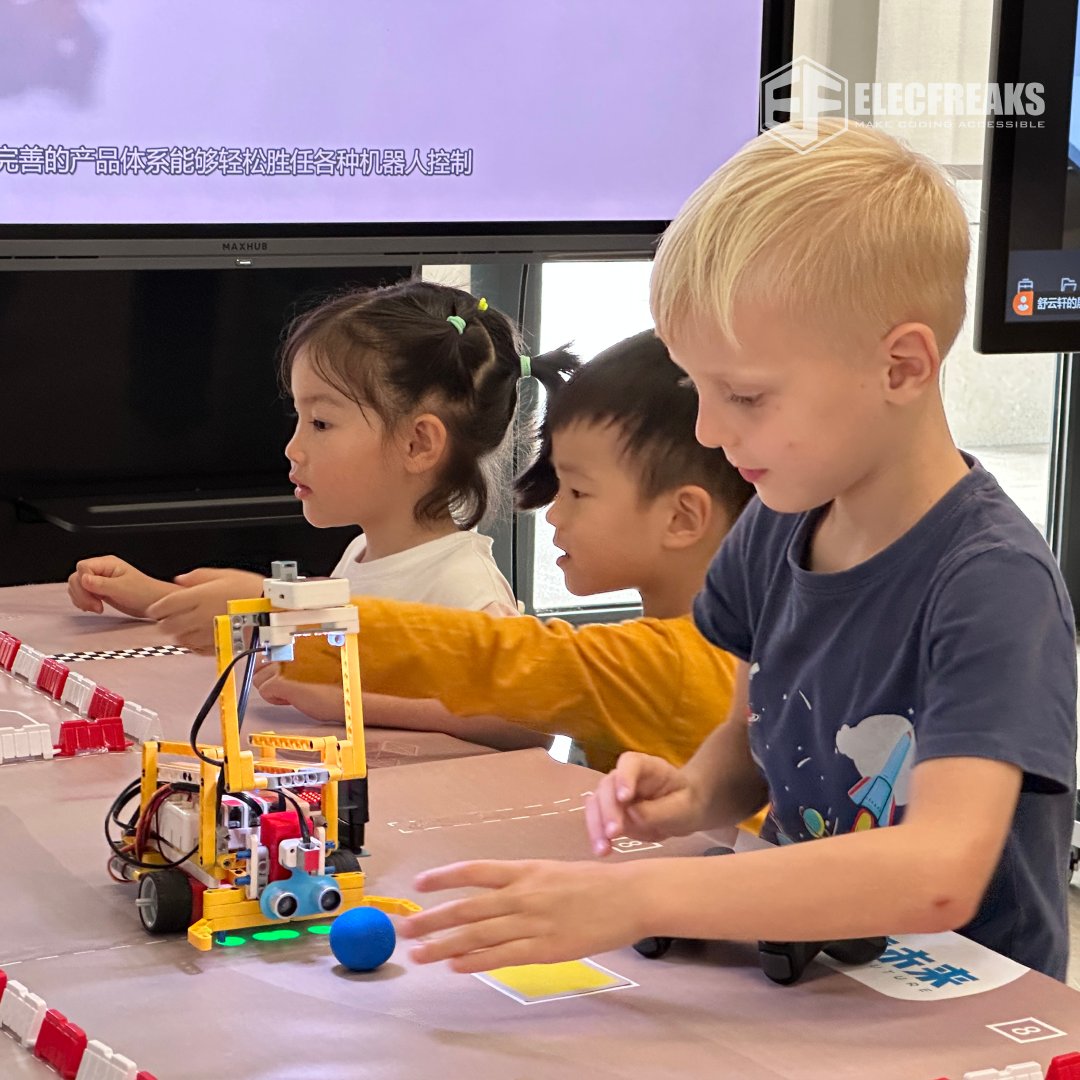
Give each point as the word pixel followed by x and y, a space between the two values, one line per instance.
pixel 107 581
pixel 532 913
pixel 543 912
pixel 643 797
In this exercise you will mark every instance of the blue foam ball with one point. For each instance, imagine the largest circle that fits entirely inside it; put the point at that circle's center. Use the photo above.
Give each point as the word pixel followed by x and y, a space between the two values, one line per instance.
pixel 362 938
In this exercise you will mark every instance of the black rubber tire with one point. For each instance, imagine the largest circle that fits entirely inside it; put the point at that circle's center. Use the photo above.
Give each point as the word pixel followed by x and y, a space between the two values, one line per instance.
pixel 169 896
pixel 652 948
pixel 856 950
pixel 342 861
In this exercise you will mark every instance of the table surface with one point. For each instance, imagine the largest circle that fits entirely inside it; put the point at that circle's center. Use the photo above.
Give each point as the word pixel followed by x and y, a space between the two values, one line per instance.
pixel 285 1009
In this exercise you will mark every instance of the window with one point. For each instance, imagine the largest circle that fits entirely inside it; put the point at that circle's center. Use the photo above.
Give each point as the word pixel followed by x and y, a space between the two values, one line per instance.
pixel 592 305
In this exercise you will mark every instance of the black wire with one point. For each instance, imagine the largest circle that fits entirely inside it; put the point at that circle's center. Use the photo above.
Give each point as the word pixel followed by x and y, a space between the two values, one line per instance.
pixel 214 694
pixel 244 797
pixel 241 708
pixel 120 802
pixel 172 864
pixel 305 832
pixel 125 796
pixel 245 686
pixel 114 845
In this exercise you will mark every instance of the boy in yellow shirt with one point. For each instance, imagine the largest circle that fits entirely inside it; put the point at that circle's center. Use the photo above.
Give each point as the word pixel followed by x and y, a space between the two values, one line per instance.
pixel 636 502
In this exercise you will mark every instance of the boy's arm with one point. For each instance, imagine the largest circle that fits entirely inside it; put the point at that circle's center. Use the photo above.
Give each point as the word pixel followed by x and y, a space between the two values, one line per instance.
pixel 409 714
pixel 324 702
pixel 723 769
pixel 653 685
pixel 925 875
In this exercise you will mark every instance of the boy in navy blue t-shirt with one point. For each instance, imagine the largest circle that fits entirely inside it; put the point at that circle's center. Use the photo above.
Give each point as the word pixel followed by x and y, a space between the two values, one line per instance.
pixel 906 642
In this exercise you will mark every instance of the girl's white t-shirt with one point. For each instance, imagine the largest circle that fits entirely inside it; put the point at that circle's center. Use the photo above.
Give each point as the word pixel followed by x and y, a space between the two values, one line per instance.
pixel 455 571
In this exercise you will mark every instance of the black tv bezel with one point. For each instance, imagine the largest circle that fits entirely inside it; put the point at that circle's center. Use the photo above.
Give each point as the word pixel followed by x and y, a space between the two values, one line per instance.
pixel 112 246
pixel 1023 33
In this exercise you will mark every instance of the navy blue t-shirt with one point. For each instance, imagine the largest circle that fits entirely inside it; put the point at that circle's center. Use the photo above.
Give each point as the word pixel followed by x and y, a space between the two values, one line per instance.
pixel 955 641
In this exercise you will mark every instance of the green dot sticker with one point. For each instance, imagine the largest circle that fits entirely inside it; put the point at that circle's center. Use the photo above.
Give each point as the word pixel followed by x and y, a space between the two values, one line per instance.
pixel 275 935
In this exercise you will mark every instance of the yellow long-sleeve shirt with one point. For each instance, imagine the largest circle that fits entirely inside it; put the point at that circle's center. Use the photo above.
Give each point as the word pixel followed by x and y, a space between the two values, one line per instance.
pixel 653 685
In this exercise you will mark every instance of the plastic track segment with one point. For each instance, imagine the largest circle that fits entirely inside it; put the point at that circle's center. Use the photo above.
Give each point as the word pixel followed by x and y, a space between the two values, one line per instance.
pixel 32 740
pixel 60 1044
pixel 140 723
pixel 9 646
pixel 77 692
pixel 27 664
pixel 54 1039
pixel 1064 1067
pixel 99 1062
pixel 21 1012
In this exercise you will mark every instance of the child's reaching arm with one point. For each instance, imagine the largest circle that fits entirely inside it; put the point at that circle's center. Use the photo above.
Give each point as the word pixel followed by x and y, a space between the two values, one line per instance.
pixel 107 581
pixel 324 702
pixel 410 714
pixel 653 685
pixel 925 875
pixel 198 596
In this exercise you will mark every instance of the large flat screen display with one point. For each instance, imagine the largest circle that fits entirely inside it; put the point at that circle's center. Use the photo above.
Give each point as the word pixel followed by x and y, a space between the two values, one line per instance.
pixel 1029 274
pixel 366 117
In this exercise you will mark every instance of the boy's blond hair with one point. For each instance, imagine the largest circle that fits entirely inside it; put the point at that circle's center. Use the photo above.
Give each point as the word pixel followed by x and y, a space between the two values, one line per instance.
pixel 860 232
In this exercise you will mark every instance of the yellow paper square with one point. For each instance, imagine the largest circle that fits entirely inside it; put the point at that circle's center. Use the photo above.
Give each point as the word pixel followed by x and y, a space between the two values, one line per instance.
pixel 539 982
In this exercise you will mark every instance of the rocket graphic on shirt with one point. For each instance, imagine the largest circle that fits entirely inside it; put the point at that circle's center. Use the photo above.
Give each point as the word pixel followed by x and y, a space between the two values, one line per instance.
pixel 875 795
pixel 853 777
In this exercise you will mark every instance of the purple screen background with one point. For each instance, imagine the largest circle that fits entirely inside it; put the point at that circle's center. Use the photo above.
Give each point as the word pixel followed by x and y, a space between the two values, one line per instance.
pixel 575 110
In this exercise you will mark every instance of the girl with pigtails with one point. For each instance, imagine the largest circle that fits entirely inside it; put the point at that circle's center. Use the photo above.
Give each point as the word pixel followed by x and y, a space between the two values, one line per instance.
pixel 404 398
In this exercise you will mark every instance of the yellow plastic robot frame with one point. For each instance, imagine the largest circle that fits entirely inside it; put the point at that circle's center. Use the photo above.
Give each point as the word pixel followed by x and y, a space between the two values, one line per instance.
pixel 226 905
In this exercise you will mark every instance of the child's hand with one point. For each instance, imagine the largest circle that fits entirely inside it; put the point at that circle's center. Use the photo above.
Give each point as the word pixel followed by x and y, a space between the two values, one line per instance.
pixel 534 913
pixel 266 677
pixel 643 797
pixel 320 701
pixel 187 613
pixel 107 580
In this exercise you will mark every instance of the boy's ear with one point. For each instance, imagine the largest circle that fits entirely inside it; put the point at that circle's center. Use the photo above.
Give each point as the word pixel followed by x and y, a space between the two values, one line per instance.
pixel 912 361
pixel 423 443
pixel 691 513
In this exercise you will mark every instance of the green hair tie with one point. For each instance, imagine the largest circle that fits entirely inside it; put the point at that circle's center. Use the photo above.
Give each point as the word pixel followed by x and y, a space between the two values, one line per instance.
pixel 526 365
pixel 457 322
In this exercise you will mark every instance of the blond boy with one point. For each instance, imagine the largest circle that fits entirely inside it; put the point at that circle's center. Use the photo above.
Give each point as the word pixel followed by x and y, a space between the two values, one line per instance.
pixel 906 642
